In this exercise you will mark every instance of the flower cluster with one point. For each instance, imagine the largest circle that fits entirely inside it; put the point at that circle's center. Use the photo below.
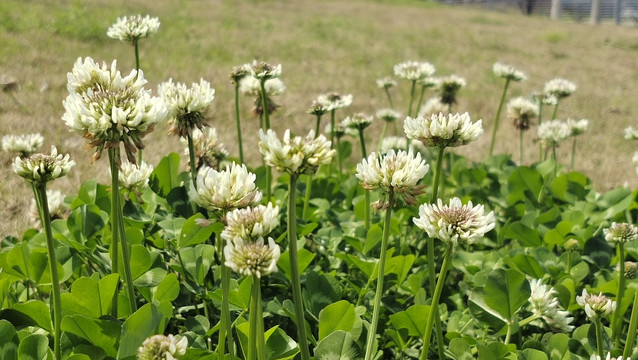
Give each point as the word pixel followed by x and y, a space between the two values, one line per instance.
pixel 238 73
pixel 250 85
pixel 318 109
pixel 162 347
pixel 521 111
pixel 414 70
pixel 621 233
pixel 187 107
pixel 134 176
pixel 397 172
pixel 209 150
pixel 608 357
pixel 251 223
pixel 386 83
pixel 133 28
pixel 559 87
pixel 388 115
pixel 231 188
pixel 41 168
pixel 358 121
pixel 545 304
pixel 441 130
pixel 252 258
pixel 107 108
pixel 264 71
pixel 508 72
pixel 596 305
pixel 24 145
pixel 553 132
pixel 577 127
pixel 334 101
pixel 448 87
pixel 454 223
pixel 295 155
pixel 432 106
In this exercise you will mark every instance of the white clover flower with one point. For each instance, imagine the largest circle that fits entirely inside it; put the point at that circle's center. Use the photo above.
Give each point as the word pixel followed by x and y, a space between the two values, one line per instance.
pixel 521 111
pixel 609 357
pixel 358 121
pixel 162 347
pixel 596 305
pixel 545 304
pixel 134 176
pixel 508 72
pixel 578 127
pixel 428 82
pixel 251 223
pixel 231 188
pixel 264 71
pixel 318 109
pixel 621 233
pixel 397 172
pixel 297 155
pixel 553 132
pixel 239 72
pixel 414 70
pixel 631 133
pixel 187 107
pixel 334 101
pixel 340 130
pixel 252 258
pixel 250 85
pixel 107 108
pixel 55 203
pixel 559 87
pixel 441 130
pixel 449 86
pixel 209 150
pixel 395 143
pixel 133 28
pixel 24 145
pixel 388 115
pixel 454 223
pixel 433 105
pixel 386 83
pixel 42 168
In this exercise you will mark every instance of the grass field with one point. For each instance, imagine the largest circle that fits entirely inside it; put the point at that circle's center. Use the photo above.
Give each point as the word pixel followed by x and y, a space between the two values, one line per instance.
pixel 323 46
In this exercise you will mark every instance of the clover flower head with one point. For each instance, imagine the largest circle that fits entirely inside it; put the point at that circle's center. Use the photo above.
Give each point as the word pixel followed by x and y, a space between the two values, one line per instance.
pixel 397 172
pixel 386 82
pixel 454 223
pixel 334 100
pixel 55 202
pixel 631 133
pixel 414 70
pixel 232 188
pixel 449 86
pixel 429 82
pixel 209 150
pixel 433 105
pixel 521 111
pixel 264 71
pixel 250 85
pixel 395 143
pixel 545 304
pixel 578 127
pixel 42 168
pixel 609 357
pixel 553 132
pixel 251 223
pixel 631 270
pixel 317 108
pixel 508 72
pixel 24 145
pixel 596 305
pixel 543 98
pixel 133 28
pixel 559 87
pixel 621 233
pixel 388 115
pixel 296 155
pixel 358 121
pixel 107 108
pixel 443 130
pixel 134 176
pixel 571 245
pixel 187 107
pixel 162 347
pixel 238 73
pixel 252 258
pixel 340 130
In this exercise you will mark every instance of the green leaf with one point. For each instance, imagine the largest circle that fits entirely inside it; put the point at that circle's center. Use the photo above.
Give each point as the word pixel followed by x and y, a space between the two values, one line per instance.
pixel 193 233
pixel 337 346
pixel 8 341
pixel 336 316
pixel 38 311
pixel 279 346
pixel 35 347
pixel 86 221
pixel 168 289
pixel 90 296
pixel 164 177
pixel 525 235
pixel 104 334
pixel 401 265
pixel 506 291
pixel 93 193
pixel 305 257
pixel 413 319
pixel 524 184
pixel 146 321
pixel 320 291
pixel 460 349
pixel 533 354
pixel 528 265
pixel 373 238
pixel 197 260
pixel 140 261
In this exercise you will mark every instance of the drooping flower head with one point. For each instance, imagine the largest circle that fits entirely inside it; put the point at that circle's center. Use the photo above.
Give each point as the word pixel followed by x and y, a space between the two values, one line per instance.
pixel 386 82
pixel 553 132
pixel 388 115
pixel 559 87
pixel 334 100
pixel 578 127
pixel 252 258
pixel 397 172
pixel 23 145
pixel 162 347
pixel 521 111
pixel 296 155
pixel 441 130
pixel 508 72
pixel 545 304
pixel 231 188
pixel 107 108
pixel 187 107
pixel 631 133
pixel 414 70
pixel 251 223
pixel 133 28
pixel 596 306
pixel 621 233
pixel 209 150
pixel 432 106
pixel 454 223
pixel 448 87
pixel 358 121
pixel 133 177
pixel 238 73
pixel 41 168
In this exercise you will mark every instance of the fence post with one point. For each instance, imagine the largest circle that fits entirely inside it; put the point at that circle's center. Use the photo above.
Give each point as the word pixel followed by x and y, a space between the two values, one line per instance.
pixel 554 12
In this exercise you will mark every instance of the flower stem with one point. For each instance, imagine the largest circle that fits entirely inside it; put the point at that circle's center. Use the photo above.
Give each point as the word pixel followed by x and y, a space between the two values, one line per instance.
pixel 294 269
pixel 257 343
pixel 387 93
pixel 306 202
pixel 266 116
pixel 383 132
pixel 45 217
pixel 381 268
pixel 191 159
pixel 317 125
pixel 617 323
pixel 420 103
pixel 238 121
pixel 137 55
pixel 412 91
pixel 573 154
pixel 435 301
pixel 521 146
pixel 540 122
pixel 498 116
pixel 555 159
pixel 631 335
pixel 555 109
pixel 225 330
pixel 599 337
pixel 340 173
pixel 115 235
pixel 366 210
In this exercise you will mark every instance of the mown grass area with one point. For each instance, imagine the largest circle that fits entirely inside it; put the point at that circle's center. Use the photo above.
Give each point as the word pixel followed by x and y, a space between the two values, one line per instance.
pixel 323 46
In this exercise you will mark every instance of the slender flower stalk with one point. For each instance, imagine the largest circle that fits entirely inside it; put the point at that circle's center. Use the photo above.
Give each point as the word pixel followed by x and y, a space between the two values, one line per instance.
pixel 388 116
pixel 318 110
pixel 559 88
pixel 521 112
pixel 577 127
pixel 413 71
pixel 551 133
pixel 426 83
pixel 508 73
pixel 236 76
pixel 360 122
pixel 596 307
pixel 386 83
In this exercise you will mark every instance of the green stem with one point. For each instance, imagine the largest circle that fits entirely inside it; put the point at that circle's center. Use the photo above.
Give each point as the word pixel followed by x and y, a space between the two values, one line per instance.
pixel 225 330
pixel 383 132
pixel 435 301
pixel 529 320
pixel 366 210
pixel 569 261
pixel 387 93
pixel 256 307
pixel 381 268
pixel 498 116
pixel 631 335
pixel 45 217
pixel 508 335
pixel 238 121
pixel 617 323
pixel 420 104
pixel 115 234
pixel 437 175
pixel 555 110
pixel 306 202
pixel 540 122
pixel 191 157
pixel 302 340
pixel 573 154
pixel 555 159
pixel 521 146
pixel 264 103
pixel 340 174
pixel 317 125
pixel 412 90
pixel 599 337
pixel 137 55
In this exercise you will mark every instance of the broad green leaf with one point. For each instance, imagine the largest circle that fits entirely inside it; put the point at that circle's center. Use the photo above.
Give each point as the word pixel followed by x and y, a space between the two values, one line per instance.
pixel 8 341
pixel 90 296
pixel 164 177
pixel 198 324
pixel 337 346
pixel 506 291
pixel 305 257
pixel 373 238
pixel 460 349
pixel 104 334
pixel 140 261
pixel 38 311
pixel 336 316
pixel 528 265
pixel 168 289
pixel 401 265
pixel 524 184
pixel 197 260
pixel 87 221
pixel 172 227
pixel 525 235
pixel 570 187
pixel 93 193
pixel 146 321
pixel 413 320
pixel 280 346
pixel 495 351
pixel 533 354
pixel 35 347
pixel 193 233
pixel 320 291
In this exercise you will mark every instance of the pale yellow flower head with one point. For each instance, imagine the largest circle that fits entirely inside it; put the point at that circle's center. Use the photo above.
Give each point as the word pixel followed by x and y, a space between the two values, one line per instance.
pixel 443 130
pixel 508 72
pixel 298 155
pixel 251 223
pixel 559 87
pixel 24 145
pixel 231 188
pixel 596 306
pixel 414 70
pixel 252 258
pixel 545 304
pixel 187 107
pixel 133 28
pixel 162 347
pixel 42 168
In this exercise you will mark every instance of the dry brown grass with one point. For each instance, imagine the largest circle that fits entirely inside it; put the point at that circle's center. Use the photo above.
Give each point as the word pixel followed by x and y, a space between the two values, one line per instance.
pixel 324 46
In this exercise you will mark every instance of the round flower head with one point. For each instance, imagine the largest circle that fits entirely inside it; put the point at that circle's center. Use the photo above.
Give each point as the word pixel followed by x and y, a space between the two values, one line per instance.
pixel 414 70
pixel 231 188
pixel 264 71
pixel 395 143
pixel 134 176
pixel 578 127
pixel 388 115
pixel 631 133
pixel 317 108
pixel 544 98
pixel 559 87
pixel 251 223
pixel 621 233
pixel 297 155
pixel 209 150
pixel 56 205
pixel 386 83
pixel 334 101
pixel 24 145
pixel 42 168
pixel 609 357
pixel 521 111
pixel 596 305
pixel 454 223
pixel 631 270
pixel 250 85
pixel 238 73
pixel 358 121
pixel 252 258
pixel 545 304
pixel 449 86
pixel 187 107
pixel 107 108
pixel 441 130
pixel 162 347
pixel 553 132
pixel 508 72
pixel 433 105
pixel 571 245
pixel 133 28
pixel 428 82
pixel 397 172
